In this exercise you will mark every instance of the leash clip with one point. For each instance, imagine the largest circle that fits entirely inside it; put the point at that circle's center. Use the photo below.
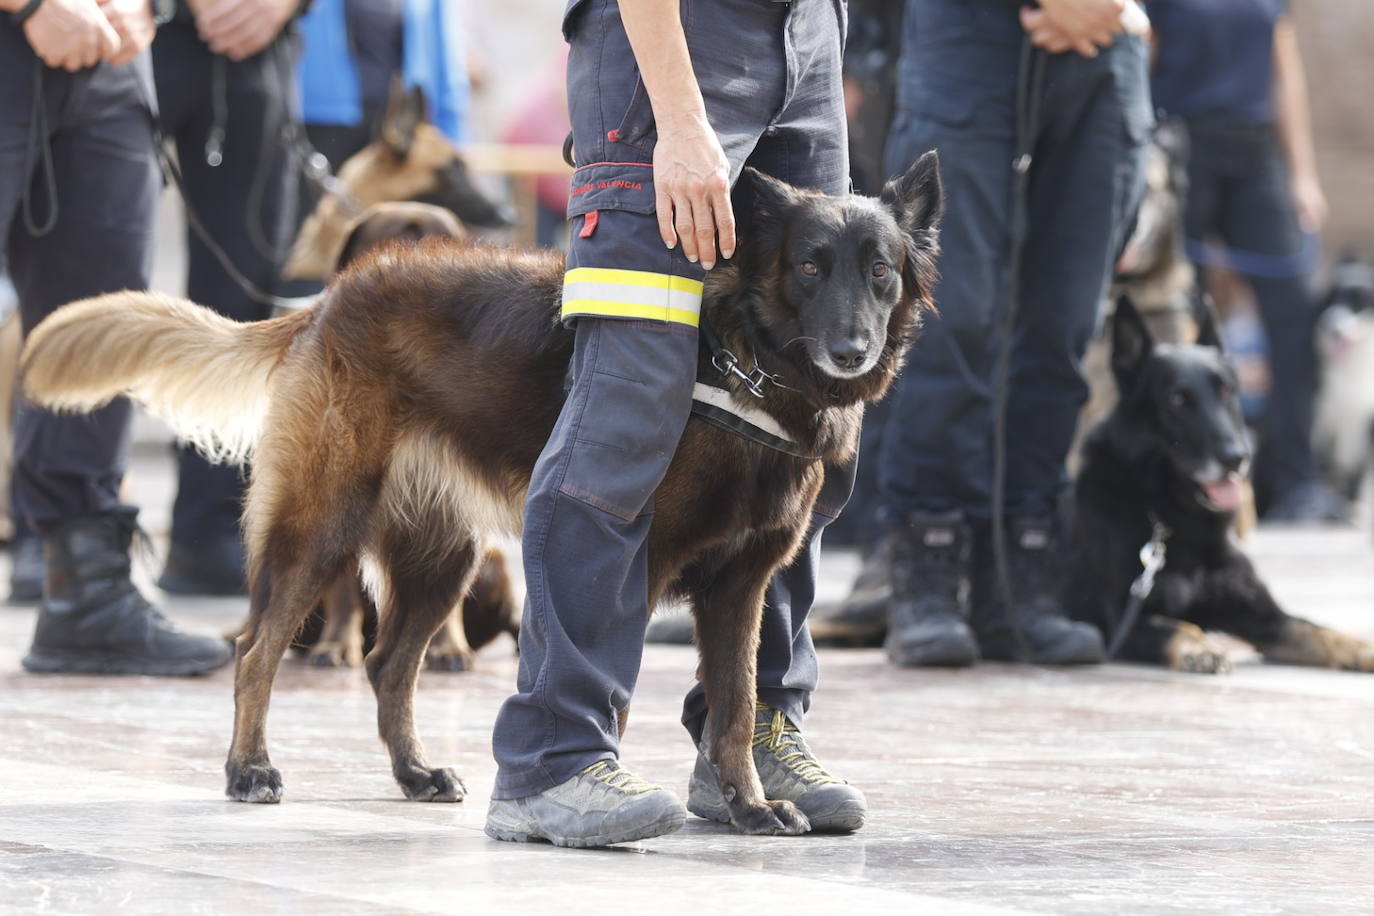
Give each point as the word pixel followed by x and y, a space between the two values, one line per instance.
pixel 1152 556
pixel 727 364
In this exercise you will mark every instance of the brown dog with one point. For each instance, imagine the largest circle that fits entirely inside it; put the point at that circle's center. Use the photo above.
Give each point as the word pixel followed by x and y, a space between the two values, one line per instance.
pixel 410 160
pixel 349 615
pixel 398 423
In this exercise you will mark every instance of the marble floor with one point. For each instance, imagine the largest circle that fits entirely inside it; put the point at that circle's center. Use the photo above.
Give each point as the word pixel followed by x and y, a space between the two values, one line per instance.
pixel 1003 789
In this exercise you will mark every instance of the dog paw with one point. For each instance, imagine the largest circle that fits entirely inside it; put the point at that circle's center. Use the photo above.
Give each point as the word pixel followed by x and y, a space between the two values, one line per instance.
pixel 1203 660
pixel 257 784
pixel 1351 653
pixel 447 659
pixel 773 818
pixel 332 655
pixel 437 785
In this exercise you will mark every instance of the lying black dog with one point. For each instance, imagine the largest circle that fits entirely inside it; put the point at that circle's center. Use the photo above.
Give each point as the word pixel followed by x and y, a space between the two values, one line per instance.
pixel 1165 469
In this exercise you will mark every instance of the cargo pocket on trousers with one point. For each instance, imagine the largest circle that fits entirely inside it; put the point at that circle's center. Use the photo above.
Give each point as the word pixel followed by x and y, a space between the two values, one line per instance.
pixel 633 415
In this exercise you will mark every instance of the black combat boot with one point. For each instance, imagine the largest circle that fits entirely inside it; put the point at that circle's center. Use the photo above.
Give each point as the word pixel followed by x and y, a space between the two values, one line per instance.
pixel 928 618
pixel 26 567
pixel 93 619
pixel 1047 637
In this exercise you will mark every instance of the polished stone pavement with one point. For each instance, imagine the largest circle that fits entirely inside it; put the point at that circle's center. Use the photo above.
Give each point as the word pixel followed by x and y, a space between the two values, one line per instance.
pixel 1003 789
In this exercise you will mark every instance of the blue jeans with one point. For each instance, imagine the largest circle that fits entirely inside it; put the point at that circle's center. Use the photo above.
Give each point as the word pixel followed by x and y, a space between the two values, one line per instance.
pixel 958 75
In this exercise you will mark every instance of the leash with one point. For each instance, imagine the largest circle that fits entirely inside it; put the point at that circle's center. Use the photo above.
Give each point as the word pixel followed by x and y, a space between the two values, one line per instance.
pixel 308 160
pixel 1029 88
pixel 1152 558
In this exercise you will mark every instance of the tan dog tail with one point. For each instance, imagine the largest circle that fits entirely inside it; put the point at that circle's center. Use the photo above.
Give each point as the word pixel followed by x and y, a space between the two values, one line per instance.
pixel 207 376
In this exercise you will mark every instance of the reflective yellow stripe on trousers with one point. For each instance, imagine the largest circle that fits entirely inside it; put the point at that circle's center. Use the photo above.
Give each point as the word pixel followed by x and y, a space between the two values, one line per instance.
pixel 631 294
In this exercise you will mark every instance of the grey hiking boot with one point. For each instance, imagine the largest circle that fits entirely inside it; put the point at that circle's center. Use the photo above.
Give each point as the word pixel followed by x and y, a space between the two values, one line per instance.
pixel 789 772
pixel 602 805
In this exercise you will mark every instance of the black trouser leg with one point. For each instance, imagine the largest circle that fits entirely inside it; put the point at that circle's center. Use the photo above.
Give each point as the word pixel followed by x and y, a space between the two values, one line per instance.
pixel 247 203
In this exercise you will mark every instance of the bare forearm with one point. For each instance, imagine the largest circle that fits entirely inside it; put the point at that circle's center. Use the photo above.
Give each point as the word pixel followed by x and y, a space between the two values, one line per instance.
pixel 1293 116
pixel 654 28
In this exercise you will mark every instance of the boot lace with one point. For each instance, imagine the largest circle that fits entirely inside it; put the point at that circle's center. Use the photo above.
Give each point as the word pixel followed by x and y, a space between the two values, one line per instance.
pixel 619 778
pixel 780 736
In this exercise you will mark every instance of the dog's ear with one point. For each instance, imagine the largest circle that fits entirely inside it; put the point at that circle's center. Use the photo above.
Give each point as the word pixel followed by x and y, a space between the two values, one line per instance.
pixel 1208 327
pixel 359 240
pixel 1131 343
pixel 405 112
pixel 916 198
pixel 756 194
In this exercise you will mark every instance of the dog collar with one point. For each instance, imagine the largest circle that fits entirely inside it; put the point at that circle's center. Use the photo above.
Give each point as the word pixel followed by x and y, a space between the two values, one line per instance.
pixel 727 363
pixel 716 404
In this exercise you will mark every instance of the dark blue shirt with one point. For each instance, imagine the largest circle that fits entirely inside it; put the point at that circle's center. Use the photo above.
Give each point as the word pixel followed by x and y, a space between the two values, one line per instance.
pixel 1216 58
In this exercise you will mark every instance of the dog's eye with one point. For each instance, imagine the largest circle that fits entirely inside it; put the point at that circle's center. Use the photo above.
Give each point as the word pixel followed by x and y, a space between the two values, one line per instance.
pixel 809 268
pixel 880 269
pixel 1180 399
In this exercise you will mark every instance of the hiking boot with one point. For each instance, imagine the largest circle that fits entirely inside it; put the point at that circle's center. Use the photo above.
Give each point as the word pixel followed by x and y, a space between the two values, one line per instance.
pixel 212 566
pixel 928 617
pixel 1047 635
pixel 789 772
pixel 93 620
pixel 26 568
pixel 860 620
pixel 602 805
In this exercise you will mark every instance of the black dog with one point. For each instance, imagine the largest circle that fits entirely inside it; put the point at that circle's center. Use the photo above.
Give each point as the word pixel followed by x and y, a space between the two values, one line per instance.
pixel 1166 465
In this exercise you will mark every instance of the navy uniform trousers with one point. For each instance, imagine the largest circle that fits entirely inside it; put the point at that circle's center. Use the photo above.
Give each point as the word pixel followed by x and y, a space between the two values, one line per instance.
pixel 79 148
pixel 770 76
pixel 957 82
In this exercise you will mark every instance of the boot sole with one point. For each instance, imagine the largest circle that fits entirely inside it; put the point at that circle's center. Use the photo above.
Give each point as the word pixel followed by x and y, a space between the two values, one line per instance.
pixel 85 663
pixel 946 652
pixel 664 825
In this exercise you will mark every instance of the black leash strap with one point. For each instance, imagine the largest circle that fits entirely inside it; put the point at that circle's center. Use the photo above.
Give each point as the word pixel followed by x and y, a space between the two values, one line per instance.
pixel 1152 558
pixel 1029 89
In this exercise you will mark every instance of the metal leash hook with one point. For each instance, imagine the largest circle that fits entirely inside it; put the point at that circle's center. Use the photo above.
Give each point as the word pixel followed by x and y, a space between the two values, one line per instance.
pixel 1152 556
pixel 727 363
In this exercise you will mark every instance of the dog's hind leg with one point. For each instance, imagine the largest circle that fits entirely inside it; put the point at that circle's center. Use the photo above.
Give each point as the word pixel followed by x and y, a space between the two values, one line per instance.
pixel 728 613
pixel 449 650
pixel 426 574
pixel 341 641
pixel 299 538
pixel 285 589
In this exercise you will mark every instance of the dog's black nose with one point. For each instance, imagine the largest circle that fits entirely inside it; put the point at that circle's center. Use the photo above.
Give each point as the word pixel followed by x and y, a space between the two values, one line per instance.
pixel 1233 458
pixel 849 352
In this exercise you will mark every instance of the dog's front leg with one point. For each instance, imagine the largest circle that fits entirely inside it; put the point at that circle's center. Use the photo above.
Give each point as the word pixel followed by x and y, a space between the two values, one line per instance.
pixel 728 615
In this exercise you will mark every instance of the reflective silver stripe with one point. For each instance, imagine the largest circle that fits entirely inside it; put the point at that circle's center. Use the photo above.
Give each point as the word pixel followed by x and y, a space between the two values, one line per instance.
pixel 670 300
pixel 718 397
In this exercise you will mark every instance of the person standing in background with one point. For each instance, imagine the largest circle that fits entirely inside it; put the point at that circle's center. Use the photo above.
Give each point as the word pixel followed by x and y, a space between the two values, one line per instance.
pixel 78 185
pixel 1060 93
pixel 1232 72
pixel 225 87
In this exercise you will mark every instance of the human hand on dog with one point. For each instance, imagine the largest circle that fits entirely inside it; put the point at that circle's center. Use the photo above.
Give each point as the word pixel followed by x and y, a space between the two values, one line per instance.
pixel 71 34
pixel 1073 25
pixel 692 190
pixel 132 20
pixel 238 29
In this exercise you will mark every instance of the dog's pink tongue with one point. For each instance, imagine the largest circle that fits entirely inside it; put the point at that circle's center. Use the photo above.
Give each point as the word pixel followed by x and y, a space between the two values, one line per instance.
pixel 1225 493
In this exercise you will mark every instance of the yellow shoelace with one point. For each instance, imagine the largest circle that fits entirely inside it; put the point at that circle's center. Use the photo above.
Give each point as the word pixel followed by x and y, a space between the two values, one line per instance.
pixel 780 736
pixel 619 778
